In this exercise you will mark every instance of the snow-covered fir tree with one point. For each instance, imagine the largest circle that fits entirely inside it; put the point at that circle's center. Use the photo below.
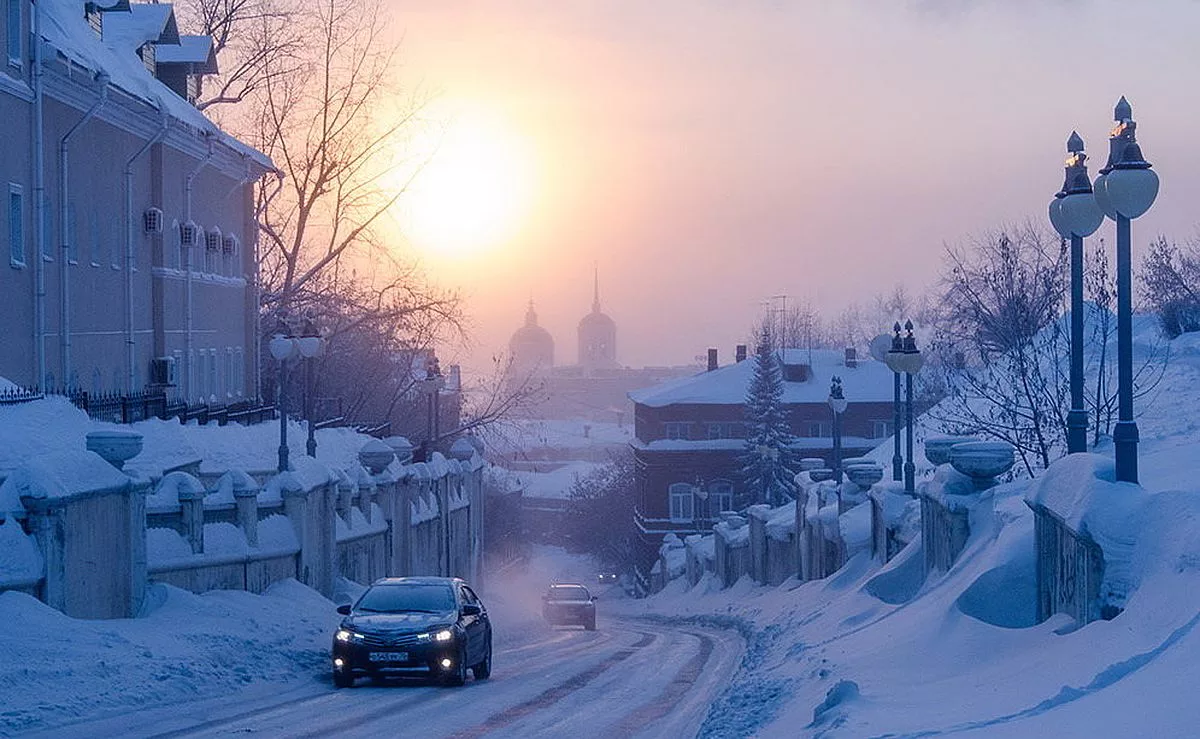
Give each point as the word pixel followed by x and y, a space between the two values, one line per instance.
pixel 768 462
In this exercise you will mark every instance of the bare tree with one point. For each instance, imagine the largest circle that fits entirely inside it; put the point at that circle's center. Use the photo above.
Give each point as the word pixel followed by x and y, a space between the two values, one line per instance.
pixel 253 40
pixel 1171 285
pixel 1001 303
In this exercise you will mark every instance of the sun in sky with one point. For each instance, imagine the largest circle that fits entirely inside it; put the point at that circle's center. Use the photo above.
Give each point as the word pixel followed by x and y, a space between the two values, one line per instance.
pixel 472 185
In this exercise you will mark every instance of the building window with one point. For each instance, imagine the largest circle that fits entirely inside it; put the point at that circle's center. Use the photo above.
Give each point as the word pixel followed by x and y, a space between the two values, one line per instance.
pixel 681 501
pixel 881 429
pixel 820 428
pixel 720 497
pixel 675 430
pixel 16 234
pixel 716 431
pixel 14 31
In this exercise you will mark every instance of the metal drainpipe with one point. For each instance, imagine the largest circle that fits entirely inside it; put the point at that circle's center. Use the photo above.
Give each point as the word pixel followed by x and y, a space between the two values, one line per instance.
pixel 130 344
pixel 64 266
pixel 242 183
pixel 189 370
pixel 258 293
pixel 39 205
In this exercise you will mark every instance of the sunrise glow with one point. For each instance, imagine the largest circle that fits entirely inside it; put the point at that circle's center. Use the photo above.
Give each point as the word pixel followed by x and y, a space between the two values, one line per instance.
pixel 474 185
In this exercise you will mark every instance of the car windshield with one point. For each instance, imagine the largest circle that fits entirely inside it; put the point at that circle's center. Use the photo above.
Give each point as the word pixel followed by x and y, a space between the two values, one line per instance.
pixel 568 592
pixel 420 598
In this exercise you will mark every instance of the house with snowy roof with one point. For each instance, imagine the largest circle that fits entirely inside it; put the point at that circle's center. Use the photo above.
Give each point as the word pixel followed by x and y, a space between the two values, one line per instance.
pixel 129 216
pixel 689 432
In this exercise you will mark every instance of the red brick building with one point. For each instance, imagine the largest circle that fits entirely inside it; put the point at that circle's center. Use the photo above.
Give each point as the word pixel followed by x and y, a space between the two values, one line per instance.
pixel 689 432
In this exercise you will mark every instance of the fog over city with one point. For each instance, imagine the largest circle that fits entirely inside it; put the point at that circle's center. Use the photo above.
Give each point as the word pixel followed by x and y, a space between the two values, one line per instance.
pixel 708 155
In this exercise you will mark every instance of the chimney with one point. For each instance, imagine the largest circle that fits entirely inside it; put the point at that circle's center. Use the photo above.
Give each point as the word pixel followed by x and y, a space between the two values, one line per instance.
pixel 851 357
pixel 712 359
pixel 739 353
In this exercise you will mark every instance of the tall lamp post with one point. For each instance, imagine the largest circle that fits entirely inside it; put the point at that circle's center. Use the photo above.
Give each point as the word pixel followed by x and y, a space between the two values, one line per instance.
pixel 310 345
pixel 1075 216
pixel 837 403
pixel 699 511
pixel 897 422
pixel 907 360
pixel 285 346
pixel 1125 189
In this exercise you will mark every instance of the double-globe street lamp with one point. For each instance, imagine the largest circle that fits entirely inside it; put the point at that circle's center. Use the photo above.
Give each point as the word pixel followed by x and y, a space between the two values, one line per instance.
pixel 285 346
pixel 1124 190
pixel 906 357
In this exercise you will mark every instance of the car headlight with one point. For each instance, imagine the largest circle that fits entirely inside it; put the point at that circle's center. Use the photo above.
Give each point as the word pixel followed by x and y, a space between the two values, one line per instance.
pixel 345 635
pixel 441 635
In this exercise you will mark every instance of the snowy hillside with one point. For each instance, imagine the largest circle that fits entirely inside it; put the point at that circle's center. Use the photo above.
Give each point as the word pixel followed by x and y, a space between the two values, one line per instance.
pixel 882 651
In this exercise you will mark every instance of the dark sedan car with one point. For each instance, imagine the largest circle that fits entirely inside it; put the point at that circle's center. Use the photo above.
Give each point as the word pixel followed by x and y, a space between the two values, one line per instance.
pixel 431 626
pixel 569 603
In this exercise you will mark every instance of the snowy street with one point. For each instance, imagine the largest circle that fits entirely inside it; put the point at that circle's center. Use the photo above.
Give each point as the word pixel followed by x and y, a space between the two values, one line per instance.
pixel 630 677
pixel 626 679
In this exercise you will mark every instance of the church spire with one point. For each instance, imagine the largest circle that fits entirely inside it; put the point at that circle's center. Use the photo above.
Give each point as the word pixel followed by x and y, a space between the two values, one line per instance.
pixel 596 290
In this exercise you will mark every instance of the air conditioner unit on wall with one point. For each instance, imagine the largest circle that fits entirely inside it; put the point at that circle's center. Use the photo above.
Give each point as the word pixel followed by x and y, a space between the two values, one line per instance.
pixel 152 220
pixel 164 371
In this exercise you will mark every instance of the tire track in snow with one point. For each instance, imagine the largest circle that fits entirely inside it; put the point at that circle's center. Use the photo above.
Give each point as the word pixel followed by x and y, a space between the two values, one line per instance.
pixel 232 722
pixel 557 693
pixel 669 698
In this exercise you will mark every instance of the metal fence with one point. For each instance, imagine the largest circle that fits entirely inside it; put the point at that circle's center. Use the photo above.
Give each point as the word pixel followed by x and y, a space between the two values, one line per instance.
pixel 122 408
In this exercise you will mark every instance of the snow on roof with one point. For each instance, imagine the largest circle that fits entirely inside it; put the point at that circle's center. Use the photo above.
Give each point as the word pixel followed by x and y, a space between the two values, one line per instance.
pixel 143 24
pixel 870 381
pixel 65 27
pixel 196 50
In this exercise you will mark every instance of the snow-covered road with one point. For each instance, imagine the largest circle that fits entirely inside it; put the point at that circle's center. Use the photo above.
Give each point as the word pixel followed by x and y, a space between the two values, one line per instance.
pixel 628 678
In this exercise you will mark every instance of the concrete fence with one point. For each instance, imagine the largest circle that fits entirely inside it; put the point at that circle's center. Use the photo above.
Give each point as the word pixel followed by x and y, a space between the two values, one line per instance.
pixel 93 536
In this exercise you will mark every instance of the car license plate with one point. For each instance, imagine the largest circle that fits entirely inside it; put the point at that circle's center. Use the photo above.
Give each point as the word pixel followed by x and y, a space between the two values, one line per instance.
pixel 388 656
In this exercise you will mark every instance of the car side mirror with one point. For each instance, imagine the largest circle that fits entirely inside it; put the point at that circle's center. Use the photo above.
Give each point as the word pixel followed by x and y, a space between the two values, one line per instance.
pixel 344 609
pixel 470 609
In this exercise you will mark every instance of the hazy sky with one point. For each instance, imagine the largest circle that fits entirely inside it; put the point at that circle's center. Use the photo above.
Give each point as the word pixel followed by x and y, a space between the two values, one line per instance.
pixel 709 154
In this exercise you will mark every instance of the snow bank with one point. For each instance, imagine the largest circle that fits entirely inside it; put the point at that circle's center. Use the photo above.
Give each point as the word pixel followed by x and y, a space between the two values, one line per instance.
pixel 1081 489
pixel 20 558
pixel 61 475
pixel 190 647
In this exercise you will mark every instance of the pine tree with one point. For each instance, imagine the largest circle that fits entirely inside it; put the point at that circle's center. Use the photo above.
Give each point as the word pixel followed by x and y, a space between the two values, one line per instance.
pixel 768 462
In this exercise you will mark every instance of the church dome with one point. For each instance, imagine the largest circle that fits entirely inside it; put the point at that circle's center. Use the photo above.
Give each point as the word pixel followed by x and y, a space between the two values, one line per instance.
pixel 597 336
pixel 531 346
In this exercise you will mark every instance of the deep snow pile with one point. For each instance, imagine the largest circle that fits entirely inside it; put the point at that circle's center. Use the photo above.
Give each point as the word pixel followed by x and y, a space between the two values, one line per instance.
pixel 883 650
pixel 188 646
pixel 53 424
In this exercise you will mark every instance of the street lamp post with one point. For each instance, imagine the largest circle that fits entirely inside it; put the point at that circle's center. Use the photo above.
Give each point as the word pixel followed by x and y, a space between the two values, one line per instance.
pixel 1125 189
pixel 908 360
pixel 699 511
pixel 310 345
pixel 284 346
pixel 1075 215
pixel 837 403
pixel 897 459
